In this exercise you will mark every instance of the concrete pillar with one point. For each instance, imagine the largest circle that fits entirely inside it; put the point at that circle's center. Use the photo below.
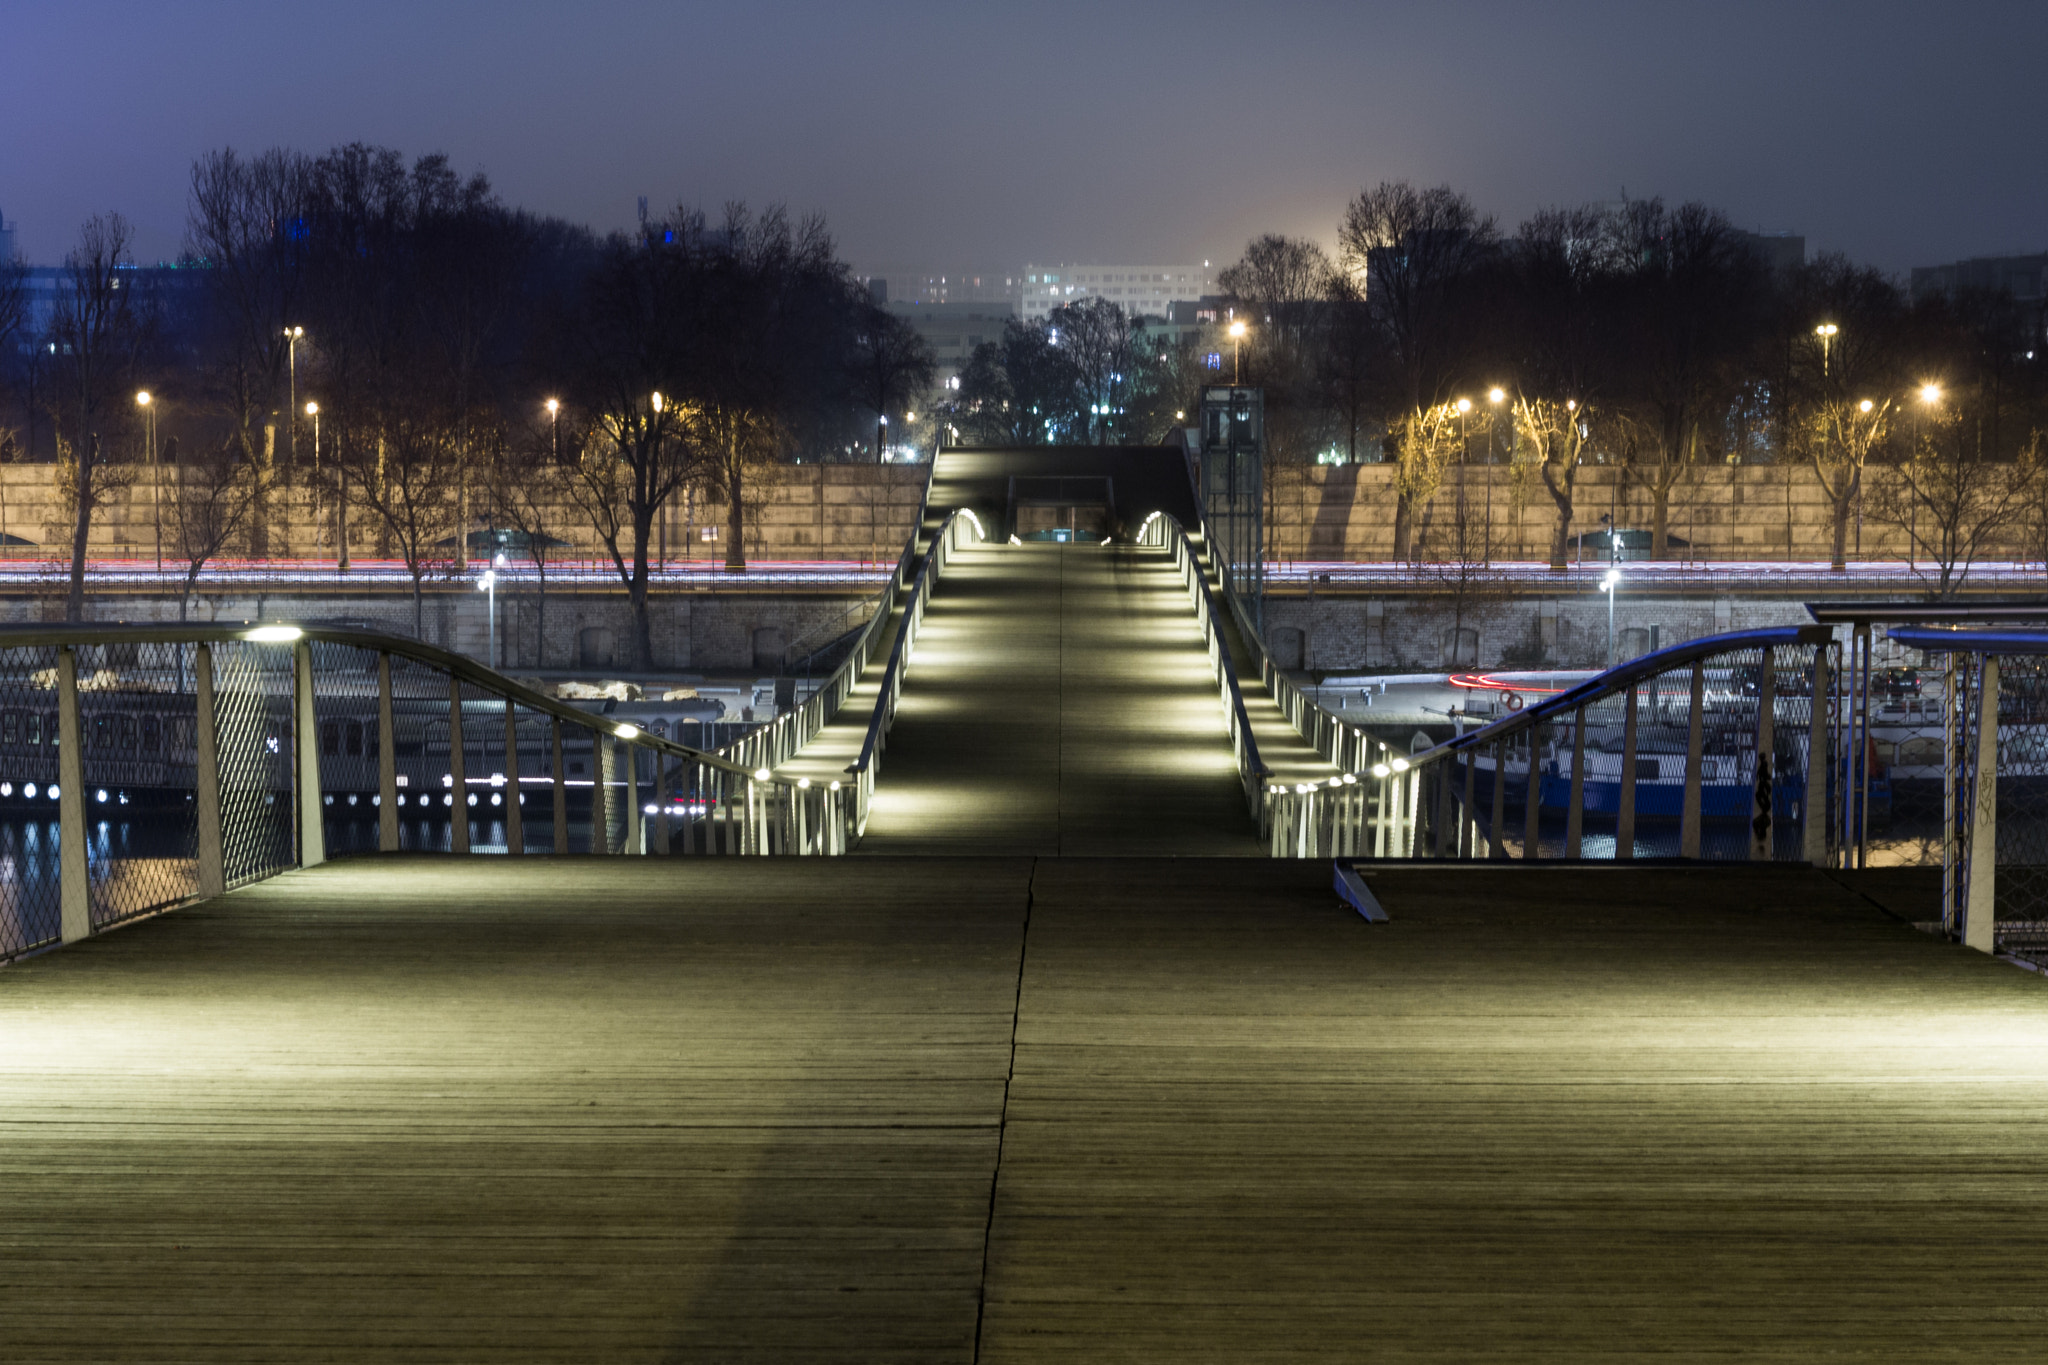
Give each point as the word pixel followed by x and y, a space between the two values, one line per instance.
pixel 458 807
pixel 515 824
pixel 561 788
pixel 306 755
pixel 1625 795
pixel 211 850
pixel 1978 916
pixel 1813 810
pixel 1689 817
pixel 74 885
pixel 387 761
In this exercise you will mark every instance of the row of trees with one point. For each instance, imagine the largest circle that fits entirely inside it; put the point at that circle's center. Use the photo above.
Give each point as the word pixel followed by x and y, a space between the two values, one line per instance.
pixel 461 362
pixel 1654 337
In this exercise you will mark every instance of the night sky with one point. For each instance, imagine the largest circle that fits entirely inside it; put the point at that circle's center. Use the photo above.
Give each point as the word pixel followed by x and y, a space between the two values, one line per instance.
pixel 950 135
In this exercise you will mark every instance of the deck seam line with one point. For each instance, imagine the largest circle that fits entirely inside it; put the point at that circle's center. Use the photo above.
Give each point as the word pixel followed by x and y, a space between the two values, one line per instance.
pixel 1003 1115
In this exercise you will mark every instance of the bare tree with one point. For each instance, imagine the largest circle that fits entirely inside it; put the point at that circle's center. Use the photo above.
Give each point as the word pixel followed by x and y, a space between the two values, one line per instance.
pixel 1556 436
pixel 890 366
pixel 403 470
pixel 528 490
pixel 1840 436
pixel 212 500
pixel 1954 502
pixel 1412 254
pixel 1430 438
pixel 1095 335
pixel 97 331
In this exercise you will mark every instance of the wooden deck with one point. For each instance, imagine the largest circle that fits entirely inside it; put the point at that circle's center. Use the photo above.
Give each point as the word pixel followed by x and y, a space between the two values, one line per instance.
pixel 1015 1109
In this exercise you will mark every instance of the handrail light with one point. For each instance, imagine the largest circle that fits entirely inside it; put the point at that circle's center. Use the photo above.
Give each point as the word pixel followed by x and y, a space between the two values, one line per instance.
pixel 274 635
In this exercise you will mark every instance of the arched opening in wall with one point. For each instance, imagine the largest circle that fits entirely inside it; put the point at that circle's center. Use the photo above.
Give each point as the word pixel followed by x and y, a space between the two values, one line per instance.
pixel 1460 646
pixel 595 647
pixel 769 643
pixel 1632 642
pixel 1287 644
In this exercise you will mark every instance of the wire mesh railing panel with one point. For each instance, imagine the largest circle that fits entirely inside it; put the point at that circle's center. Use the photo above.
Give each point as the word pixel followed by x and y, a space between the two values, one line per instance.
pixel 345 735
pixel 252 695
pixel 138 714
pixel 420 718
pixel 2020 905
pixel 30 897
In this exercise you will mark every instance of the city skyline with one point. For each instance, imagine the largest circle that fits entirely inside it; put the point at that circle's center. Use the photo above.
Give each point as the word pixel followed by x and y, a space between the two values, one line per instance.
pixel 1133 133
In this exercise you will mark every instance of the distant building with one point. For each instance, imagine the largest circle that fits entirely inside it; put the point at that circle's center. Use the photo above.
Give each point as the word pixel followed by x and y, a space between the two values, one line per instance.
pixel 1143 290
pixel 7 231
pixel 2025 276
pixel 1783 252
pixel 950 286
pixel 953 330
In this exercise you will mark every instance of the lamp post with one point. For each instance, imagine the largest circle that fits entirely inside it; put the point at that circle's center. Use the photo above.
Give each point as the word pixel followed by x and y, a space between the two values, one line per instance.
pixel 554 407
pixel 291 350
pixel 144 401
pixel 1608 584
pixel 313 411
pixel 1826 332
pixel 1237 331
pixel 488 585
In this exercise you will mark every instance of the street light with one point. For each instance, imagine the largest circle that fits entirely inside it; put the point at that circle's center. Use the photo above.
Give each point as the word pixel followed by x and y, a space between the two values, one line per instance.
pixel 554 407
pixel 1237 331
pixel 148 406
pixel 1826 332
pixel 313 411
pixel 489 584
pixel 1608 584
pixel 291 343
pixel 1930 393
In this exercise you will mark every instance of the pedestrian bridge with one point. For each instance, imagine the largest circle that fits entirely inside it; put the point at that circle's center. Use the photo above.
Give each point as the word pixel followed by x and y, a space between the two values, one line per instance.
pixel 1051 1041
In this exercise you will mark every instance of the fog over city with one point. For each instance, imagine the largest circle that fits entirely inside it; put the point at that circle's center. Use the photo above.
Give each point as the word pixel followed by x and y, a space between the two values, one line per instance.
pixel 941 137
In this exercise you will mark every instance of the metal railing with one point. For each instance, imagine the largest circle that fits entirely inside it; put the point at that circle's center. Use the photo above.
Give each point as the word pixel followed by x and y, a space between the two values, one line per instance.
pixel 182 761
pixel 1161 529
pixel 780 740
pixel 1993 716
pixel 960 525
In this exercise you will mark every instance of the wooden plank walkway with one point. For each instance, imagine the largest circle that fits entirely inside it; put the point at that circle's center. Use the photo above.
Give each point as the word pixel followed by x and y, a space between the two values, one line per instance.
pixel 1019 1109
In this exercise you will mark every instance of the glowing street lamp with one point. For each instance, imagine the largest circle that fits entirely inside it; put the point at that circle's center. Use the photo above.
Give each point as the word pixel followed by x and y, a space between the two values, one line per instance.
pixel 1827 332
pixel 1608 583
pixel 292 336
pixel 554 407
pixel 1237 331
pixel 489 584
pixel 144 401
pixel 1930 394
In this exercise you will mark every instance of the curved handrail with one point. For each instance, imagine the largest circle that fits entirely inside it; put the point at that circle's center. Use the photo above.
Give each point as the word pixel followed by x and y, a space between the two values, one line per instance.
pixel 280 633
pixel 782 738
pixel 892 673
pixel 1621 678
pixel 1255 767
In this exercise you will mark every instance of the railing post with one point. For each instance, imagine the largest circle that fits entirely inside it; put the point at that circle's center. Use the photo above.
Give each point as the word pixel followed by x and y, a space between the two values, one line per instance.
pixel 561 789
pixel 603 760
pixel 1625 795
pixel 1498 847
pixel 1689 817
pixel 212 855
pixel 1468 825
pixel 515 822
pixel 1761 813
pixel 73 874
pixel 1532 811
pixel 1979 930
pixel 387 759
pixel 458 777
pixel 660 802
pixel 1951 718
pixel 1575 813
pixel 306 749
pixel 1813 810
pixel 631 753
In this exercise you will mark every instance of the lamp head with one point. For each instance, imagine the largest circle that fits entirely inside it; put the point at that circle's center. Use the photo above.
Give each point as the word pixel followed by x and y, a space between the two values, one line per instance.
pixel 142 399
pixel 1464 405
pixel 1237 329
pixel 1930 393
pixel 553 405
pixel 312 409
pixel 1496 394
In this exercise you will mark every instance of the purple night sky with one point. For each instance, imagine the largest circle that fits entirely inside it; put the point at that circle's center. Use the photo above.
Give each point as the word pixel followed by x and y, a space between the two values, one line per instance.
pixel 945 135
